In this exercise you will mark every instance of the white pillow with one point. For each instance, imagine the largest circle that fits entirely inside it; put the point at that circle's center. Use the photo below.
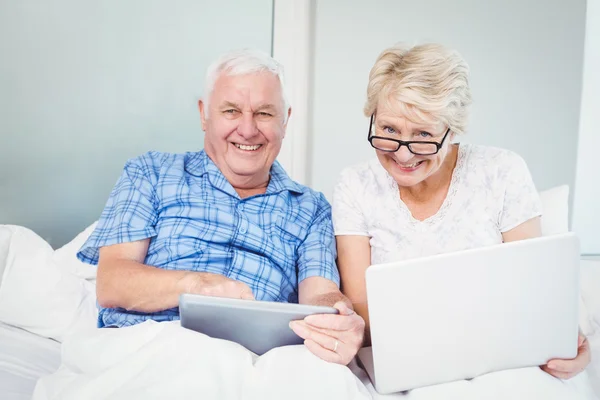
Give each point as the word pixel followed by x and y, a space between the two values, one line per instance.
pixel 590 291
pixel 37 296
pixel 590 282
pixel 555 210
pixel 66 256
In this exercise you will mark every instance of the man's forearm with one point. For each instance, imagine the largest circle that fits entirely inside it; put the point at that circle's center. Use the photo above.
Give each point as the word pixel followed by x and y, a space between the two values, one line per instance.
pixel 329 299
pixel 134 286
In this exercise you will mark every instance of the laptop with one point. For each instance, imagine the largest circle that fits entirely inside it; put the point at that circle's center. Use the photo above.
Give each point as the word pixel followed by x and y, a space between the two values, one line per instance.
pixel 259 326
pixel 460 315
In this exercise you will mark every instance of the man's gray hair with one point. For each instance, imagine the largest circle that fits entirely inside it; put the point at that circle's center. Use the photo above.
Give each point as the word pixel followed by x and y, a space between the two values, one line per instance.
pixel 243 62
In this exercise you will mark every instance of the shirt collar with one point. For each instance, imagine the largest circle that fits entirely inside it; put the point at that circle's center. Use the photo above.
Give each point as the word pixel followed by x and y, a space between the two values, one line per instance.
pixel 280 181
pixel 199 164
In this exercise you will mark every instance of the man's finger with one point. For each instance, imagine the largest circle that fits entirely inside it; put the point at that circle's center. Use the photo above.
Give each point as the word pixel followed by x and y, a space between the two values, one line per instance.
pixel 343 308
pixel 306 332
pixel 247 295
pixel 329 332
pixel 245 291
pixel 334 322
pixel 323 353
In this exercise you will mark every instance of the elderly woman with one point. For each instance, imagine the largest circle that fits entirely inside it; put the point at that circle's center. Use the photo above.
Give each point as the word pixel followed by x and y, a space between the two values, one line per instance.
pixel 424 194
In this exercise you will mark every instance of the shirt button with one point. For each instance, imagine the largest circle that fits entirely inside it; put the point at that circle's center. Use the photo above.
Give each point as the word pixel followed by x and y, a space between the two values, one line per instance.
pixel 243 226
pixel 240 207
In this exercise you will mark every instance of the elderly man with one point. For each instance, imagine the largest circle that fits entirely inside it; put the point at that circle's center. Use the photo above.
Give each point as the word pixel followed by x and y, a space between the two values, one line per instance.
pixel 226 221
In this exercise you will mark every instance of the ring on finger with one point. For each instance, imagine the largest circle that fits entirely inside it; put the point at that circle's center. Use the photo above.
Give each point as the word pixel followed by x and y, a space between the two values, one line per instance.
pixel 335 346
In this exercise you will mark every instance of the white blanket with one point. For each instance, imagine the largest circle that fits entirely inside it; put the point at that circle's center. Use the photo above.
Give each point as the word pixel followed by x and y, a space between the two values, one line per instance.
pixel 162 360
pixel 50 293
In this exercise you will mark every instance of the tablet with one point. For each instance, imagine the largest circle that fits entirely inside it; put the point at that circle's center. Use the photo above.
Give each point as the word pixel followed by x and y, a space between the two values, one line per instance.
pixel 259 326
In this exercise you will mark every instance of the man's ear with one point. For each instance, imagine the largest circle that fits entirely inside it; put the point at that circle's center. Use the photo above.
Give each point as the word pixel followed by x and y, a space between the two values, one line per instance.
pixel 289 113
pixel 202 114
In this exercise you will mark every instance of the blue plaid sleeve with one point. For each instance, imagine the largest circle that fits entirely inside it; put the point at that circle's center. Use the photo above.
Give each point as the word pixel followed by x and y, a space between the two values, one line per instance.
pixel 130 212
pixel 317 253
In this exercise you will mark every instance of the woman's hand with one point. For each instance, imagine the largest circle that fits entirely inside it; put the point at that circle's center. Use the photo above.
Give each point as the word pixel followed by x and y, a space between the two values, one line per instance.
pixel 566 369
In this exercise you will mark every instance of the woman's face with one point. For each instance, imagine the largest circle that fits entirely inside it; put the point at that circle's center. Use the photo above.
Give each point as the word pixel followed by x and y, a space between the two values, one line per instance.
pixel 406 168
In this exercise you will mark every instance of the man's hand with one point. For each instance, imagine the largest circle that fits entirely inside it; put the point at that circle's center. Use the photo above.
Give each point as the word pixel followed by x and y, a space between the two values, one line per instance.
pixel 566 369
pixel 334 338
pixel 216 285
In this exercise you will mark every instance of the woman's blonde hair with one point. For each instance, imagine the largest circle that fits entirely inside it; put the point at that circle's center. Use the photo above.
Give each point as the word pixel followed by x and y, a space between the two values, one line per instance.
pixel 429 82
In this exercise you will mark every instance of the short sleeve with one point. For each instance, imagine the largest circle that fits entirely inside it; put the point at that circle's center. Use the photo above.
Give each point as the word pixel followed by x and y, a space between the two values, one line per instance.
pixel 317 252
pixel 348 218
pixel 130 212
pixel 521 200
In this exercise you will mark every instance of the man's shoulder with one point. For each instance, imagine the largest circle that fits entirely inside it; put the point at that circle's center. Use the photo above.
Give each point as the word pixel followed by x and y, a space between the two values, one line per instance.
pixel 159 162
pixel 304 196
pixel 158 158
pixel 310 195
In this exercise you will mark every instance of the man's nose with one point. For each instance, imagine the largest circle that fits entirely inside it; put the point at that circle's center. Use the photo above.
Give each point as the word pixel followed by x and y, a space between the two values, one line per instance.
pixel 247 127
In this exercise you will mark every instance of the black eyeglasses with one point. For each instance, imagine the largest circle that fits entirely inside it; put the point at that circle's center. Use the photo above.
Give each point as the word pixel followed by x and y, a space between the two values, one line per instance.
pixel 393 145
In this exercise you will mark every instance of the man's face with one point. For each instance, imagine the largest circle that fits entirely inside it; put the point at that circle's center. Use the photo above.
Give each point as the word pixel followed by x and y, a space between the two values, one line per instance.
pixel 245 125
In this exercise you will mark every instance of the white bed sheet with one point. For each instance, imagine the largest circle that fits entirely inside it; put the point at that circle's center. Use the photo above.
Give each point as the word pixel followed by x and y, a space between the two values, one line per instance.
pixel 24 357
pixel 517 384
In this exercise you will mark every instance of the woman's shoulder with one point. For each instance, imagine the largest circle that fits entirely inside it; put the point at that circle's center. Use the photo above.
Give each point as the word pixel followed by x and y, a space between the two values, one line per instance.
pixel 493 168
pixel 362 181
pixel 491 158
pixel 365 172
pixel 491 153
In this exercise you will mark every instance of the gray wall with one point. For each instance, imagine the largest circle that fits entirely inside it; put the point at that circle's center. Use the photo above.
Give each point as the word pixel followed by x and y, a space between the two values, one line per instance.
pixel 85 85
pixel 526 61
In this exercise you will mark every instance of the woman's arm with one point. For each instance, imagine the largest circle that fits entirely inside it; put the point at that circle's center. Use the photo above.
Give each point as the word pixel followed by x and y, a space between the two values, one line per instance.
pixel 563 369
pixel 527 230
pixel 354 257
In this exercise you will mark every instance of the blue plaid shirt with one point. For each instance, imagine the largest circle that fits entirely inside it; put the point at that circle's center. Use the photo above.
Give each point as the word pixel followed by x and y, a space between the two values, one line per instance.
pixel 197 222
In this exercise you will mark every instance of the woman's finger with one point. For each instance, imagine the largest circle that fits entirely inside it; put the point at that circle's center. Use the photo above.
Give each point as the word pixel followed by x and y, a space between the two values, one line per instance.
pixel 557 374
pixel 562 365
pixel 575 365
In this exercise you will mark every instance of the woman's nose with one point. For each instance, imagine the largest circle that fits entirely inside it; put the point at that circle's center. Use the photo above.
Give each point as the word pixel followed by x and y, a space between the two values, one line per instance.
pixel 403 154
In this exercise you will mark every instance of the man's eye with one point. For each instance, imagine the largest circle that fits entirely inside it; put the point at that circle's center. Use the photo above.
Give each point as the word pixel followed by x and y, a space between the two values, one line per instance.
pixel 265 114
pixel 231 111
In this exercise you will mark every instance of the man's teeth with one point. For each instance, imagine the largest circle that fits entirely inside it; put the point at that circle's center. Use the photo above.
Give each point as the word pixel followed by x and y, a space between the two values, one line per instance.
pixel 246 147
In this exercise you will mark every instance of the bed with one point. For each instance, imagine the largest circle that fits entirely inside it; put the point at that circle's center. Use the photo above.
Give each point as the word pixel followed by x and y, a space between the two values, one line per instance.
pixel 47 296
pixel 24 357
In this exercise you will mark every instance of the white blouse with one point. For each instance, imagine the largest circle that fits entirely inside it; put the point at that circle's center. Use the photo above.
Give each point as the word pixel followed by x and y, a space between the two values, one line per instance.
pixel 491 192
